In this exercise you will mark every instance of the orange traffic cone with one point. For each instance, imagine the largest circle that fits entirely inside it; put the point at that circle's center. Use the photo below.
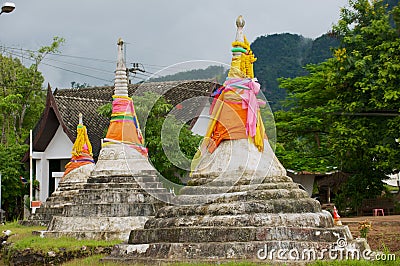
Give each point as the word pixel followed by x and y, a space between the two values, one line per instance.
pixel 336 217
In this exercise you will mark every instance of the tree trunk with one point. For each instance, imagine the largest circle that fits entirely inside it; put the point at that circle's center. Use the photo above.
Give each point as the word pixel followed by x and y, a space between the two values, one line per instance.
pixel 317 139
pixel 3 131
pixel 21 120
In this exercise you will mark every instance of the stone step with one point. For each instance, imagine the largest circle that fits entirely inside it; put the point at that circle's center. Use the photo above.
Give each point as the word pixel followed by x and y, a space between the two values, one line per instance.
pixel 99 228
pixel 206 190
pixel 124 185
pixel 90 186
pixel 322 219
pixel 67 189
pixel 123 179
pixel 235 180
pixel 270 194
pixel 62 192
pixel 89 223
pixel 304 205
pixel 35 222
pixel 122 189
pixel 84 235
pixel 274 252
pixel 111 209
pixel 121 196
pixel 197 234
pixel 58 201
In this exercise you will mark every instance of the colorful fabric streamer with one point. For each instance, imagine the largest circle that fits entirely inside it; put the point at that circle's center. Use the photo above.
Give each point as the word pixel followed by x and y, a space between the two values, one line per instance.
pixel 124 125
pixel 81 151
pixel 235 114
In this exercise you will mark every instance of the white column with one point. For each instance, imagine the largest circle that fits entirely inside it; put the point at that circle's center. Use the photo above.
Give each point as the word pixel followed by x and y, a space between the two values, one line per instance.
pixel 44 182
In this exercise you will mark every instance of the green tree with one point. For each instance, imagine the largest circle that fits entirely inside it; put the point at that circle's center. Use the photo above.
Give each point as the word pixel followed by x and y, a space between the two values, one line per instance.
pixel 347 108
pixel 303 131
pixel 22 97
pixel 13 189
pixel 21 104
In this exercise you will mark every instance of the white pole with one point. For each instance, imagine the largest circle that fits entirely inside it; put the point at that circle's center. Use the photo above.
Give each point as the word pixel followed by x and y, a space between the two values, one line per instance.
pixel 30 168
pixel 398 182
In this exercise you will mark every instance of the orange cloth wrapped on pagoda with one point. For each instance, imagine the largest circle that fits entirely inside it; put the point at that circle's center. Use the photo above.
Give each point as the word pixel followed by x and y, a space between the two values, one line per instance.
pixel 229 123
pixel 78 161
pixel 234 117
pixel 123 132
pixel 124 125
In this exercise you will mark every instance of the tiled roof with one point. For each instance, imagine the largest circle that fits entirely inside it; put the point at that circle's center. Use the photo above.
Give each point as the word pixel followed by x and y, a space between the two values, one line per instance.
pixel 70 107
pixel 71 102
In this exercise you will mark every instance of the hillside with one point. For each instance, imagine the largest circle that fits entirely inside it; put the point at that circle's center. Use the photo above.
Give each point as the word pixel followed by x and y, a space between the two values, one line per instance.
pixel 212 72
pixel 285 55
pixel 278 55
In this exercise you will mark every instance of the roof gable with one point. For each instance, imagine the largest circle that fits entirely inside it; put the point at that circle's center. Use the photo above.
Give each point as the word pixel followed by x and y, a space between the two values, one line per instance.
pixel 48 124
pixel 63 107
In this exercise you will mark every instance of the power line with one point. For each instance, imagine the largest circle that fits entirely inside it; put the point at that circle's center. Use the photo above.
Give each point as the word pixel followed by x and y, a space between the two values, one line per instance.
pixel 75 72
pixel 78 57
pixel 61 55
pixel 87 67
pixel 27 54
pixel 61 68
pixel 64 62
pixel 68 63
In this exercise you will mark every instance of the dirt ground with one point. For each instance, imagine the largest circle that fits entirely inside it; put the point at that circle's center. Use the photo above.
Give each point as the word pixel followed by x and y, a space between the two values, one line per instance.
pixel 384 234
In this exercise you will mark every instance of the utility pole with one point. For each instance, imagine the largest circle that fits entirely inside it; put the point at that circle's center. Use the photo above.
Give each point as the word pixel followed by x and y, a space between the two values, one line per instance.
pixel 7 7
pixel 135 68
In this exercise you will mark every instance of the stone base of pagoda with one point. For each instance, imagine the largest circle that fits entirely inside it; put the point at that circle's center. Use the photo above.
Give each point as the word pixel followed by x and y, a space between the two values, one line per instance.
pixel 67 189
pixel 97 228
pixel 122 192
pixel 120 159
pixel 238 214
pixel 262 251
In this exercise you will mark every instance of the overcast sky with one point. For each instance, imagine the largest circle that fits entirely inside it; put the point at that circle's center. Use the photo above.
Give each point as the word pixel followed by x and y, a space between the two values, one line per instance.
pixel 158 33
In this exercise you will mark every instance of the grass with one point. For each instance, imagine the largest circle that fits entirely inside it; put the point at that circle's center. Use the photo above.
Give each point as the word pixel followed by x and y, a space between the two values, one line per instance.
pixel 22 238
pixel 91 261
pixel 354 263
pixel 20 232
pixel 95 261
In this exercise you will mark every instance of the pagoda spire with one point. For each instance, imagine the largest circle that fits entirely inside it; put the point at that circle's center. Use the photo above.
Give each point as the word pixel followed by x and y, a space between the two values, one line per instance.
pixel 242 56
pixel 124 125
pixel 236 120
pixel 81 151
pixel 121 78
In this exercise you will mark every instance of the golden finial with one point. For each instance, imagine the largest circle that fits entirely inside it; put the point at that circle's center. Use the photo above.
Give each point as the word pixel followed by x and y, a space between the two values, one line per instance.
pixel 120 41
pixel 240 22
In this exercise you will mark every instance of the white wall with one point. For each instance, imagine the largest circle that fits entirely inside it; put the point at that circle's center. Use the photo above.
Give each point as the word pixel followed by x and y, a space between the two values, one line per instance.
pixel 60 147
pixel 200 127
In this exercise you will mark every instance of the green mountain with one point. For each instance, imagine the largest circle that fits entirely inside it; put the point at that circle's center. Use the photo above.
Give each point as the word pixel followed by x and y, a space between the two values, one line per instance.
pixel 284 56
pixel 278 55
pixel 212 72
